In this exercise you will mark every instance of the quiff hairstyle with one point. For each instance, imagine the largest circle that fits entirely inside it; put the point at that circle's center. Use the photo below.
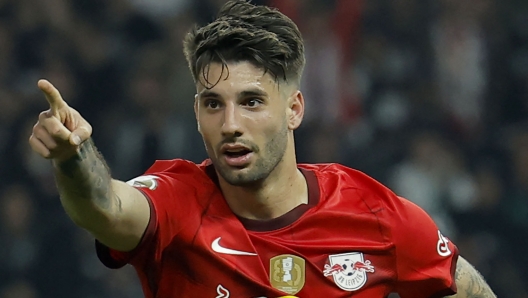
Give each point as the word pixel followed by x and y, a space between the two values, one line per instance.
pixel 242 31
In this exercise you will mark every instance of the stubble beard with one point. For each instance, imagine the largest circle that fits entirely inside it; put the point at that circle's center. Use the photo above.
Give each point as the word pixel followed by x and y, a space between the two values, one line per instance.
pixel 270 158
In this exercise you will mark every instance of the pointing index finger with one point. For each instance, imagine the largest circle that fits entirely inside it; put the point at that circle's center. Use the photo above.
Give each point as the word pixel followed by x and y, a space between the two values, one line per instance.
pixel 52 96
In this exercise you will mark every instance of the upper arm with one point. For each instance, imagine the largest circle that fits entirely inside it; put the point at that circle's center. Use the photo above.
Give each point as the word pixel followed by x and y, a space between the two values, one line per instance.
pixel 470 284
pixel 425 259
pixel 128 220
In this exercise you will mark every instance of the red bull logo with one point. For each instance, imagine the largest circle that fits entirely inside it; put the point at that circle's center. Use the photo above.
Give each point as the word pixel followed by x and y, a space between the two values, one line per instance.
pixel 363 266
pixel 331 270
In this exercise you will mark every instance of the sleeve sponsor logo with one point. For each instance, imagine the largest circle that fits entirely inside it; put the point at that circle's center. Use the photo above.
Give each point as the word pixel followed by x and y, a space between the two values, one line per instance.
pixel 146 181
pixel 442 246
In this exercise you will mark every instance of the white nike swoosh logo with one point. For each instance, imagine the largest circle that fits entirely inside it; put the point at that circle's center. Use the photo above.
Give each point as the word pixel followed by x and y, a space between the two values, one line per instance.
pixel 223 250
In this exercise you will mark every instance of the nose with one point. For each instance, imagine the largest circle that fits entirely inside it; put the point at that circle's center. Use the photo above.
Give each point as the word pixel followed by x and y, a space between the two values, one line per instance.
pixel 231 125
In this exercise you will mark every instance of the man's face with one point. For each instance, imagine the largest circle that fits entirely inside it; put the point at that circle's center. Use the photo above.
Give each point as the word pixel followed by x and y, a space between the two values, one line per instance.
pixel 243 122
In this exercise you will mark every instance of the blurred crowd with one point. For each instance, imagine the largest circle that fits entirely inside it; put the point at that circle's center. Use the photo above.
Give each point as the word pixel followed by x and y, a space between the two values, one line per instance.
pixel 429 97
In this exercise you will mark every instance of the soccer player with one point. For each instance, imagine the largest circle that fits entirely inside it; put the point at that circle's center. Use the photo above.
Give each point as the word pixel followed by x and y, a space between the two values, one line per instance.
pixel 249 221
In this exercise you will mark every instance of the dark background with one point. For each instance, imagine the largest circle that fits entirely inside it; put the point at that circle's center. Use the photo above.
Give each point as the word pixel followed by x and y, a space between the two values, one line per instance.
pixel 429 97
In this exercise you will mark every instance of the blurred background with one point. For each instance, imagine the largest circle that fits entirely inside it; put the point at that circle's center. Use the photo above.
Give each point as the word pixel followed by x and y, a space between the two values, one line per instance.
pixel 429 97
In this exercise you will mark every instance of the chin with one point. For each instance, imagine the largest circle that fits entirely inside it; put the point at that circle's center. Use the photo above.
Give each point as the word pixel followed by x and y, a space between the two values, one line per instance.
pixel 251 174
pixel 242 177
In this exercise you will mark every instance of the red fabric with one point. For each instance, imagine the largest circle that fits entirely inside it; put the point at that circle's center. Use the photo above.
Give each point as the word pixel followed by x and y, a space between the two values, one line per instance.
pixel 349 217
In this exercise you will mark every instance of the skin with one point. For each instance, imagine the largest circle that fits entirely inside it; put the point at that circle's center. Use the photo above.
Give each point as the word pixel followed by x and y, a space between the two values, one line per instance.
pixel 469 282
pixel 111 210
pixel 248 107
pixel 268 186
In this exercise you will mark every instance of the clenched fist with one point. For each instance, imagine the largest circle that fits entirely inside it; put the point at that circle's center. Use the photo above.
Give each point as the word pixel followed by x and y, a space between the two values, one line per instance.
pixel 60 130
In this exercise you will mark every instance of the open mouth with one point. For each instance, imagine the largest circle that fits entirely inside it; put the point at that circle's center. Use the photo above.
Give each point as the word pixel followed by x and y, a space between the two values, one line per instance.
pixel 236 155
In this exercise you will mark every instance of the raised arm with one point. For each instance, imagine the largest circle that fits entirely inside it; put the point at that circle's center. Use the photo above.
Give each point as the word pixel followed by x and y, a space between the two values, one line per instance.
pixel 470 283
pixel 116 213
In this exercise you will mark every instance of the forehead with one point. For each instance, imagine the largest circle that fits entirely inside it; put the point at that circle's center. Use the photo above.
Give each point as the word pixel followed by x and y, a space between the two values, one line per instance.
pixel 235 77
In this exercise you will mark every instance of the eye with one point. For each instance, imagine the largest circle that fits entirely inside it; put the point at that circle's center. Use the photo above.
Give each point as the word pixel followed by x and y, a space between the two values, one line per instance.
pixel 212 103
pixel 253 102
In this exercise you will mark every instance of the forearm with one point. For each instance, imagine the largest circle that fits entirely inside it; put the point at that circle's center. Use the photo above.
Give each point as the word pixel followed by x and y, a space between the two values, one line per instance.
pixel 89 195
pixel 85 188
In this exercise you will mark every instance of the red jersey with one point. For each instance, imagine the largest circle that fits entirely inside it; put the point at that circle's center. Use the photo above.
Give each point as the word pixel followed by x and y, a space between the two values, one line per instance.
pixel 353 238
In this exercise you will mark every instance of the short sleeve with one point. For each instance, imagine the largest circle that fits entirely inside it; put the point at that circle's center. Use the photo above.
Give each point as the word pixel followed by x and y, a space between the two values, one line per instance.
pixel 165 190
pixel 115 259
pixel 425 259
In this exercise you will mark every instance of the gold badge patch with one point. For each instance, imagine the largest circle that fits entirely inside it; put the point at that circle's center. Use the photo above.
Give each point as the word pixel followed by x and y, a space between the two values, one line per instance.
pixel 287 273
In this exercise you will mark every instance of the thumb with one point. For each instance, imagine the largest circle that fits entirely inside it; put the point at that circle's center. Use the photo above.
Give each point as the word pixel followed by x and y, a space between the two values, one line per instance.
pixel 80 134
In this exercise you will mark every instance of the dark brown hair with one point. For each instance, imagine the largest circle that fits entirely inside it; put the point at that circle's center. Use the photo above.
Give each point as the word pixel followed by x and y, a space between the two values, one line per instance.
pixel 242 31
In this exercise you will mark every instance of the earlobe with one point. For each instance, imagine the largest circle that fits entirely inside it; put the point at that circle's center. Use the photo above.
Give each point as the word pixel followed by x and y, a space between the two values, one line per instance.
pixel 296 108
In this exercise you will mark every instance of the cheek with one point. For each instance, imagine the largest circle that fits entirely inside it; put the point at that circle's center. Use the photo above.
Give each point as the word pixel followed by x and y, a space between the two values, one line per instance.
pixel 274 130
pixel 207 134
pixel 209 148
pixel 204 126
pixel 207 137
pixel 264 127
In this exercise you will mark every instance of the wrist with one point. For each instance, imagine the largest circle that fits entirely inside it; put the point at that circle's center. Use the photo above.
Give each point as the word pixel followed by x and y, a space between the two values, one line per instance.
pixel 65 157
pixel 67 164
pixel 70 161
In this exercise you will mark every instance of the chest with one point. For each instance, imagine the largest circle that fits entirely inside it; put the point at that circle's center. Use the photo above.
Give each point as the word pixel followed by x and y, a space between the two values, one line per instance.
pixel 344 257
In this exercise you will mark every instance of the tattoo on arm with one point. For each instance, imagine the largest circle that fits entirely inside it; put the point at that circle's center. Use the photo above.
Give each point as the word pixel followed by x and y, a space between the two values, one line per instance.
pixel 470 282
pixel 86 176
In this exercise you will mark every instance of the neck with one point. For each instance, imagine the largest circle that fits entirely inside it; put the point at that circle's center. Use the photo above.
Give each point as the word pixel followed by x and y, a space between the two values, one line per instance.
pixel 284 189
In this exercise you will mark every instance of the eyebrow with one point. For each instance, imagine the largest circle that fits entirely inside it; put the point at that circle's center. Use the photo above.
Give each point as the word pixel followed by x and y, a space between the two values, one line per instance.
pixel 246 93
pixel 253 92
pixel 208 93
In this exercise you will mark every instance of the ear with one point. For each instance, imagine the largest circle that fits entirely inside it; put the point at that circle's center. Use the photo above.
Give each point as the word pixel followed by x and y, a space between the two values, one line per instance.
pixel 295 110
pixel 196 112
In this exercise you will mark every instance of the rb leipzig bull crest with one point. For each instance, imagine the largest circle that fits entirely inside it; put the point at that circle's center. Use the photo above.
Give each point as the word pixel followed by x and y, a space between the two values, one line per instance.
pixel 349 270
